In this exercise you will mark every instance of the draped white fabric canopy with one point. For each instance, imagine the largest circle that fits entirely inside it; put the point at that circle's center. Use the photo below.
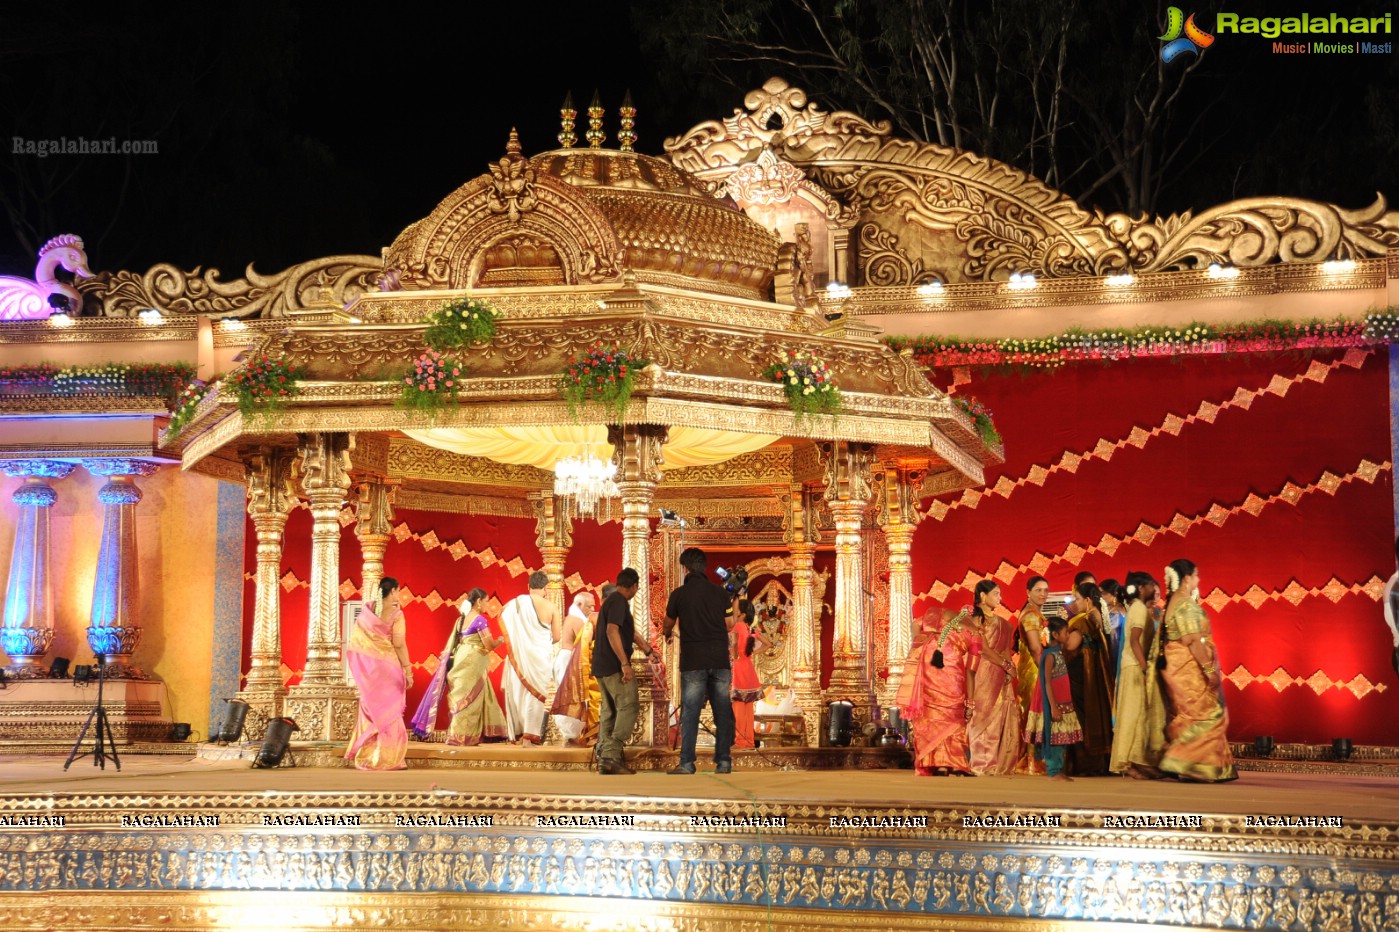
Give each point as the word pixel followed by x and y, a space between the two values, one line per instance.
pixel 542 447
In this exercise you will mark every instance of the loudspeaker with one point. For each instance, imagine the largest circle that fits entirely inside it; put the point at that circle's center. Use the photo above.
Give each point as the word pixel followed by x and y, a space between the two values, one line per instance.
pixel 83 673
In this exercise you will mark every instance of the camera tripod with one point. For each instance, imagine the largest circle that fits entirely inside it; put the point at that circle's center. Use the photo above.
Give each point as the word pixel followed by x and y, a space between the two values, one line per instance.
pixel 106 744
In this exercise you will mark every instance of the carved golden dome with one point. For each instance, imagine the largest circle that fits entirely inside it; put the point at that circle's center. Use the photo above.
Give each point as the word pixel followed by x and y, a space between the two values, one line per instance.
pixel 576 216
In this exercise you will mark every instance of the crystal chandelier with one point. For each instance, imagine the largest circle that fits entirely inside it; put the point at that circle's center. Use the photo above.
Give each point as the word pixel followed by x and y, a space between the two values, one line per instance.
pixel 583 481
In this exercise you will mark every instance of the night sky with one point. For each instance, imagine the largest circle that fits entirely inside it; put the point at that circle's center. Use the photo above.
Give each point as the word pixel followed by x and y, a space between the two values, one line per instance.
pixel 285 135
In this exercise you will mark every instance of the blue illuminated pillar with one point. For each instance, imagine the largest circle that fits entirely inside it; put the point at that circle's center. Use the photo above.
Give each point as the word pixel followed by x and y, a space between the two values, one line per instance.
pixel 114 632
pixel 28 628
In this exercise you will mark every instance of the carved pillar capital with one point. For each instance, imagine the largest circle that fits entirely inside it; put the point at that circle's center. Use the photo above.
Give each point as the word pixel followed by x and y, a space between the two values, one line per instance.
pixel 374 503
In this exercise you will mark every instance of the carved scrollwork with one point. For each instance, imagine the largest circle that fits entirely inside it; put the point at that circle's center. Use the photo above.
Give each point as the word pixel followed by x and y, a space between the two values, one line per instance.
pixel 175 291
pixel 512 184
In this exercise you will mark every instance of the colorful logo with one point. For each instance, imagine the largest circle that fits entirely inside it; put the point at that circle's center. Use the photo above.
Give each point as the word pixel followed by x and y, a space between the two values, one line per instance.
pixel 1182 35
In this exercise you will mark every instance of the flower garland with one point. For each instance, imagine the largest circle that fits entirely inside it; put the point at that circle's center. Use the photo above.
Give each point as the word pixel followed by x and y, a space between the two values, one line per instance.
pixel 460 323
pixel 981 419
pixel 605 374
pixel 432 383
pixel 1378 328
pixel 164 380
pixel 808 383
pixel 264 384
pixel 185 406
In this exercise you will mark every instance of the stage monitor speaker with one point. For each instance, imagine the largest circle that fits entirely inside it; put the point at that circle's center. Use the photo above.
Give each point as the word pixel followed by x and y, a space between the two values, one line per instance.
pixel 83 674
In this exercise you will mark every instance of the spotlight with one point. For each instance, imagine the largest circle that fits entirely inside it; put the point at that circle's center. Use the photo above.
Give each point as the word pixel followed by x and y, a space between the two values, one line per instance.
pixel 151 317
pixel 838 291
pixel 232 728
pixel 838 726
pixel 930 289
pixel 1263 745
pixel 833 316
pixel 180 731
pixel 61 319
pixel 1222 271
pixel 232 325
pixel 275 743
pixel 83 674
pixel 1338 266
pixel 1119 281
pixel 1342 748
pixel 4 680
pixel 670 518
pixel 58 670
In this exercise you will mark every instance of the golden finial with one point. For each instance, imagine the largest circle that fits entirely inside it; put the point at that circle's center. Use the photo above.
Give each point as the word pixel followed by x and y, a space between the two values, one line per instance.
pixel 566 117
pixel 626 136
pixel 513 151
pixel 595 135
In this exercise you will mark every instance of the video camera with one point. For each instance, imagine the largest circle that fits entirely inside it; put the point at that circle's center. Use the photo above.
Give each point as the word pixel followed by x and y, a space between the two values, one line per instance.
pixel 735 579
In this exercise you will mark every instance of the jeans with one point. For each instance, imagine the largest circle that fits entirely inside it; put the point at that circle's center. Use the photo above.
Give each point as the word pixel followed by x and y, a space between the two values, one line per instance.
pixel 697 686
pixel 616 717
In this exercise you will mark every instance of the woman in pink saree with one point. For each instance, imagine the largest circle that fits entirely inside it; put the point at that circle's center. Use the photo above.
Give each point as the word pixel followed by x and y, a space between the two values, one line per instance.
pixel 995 731
pixel 938 681
pixel 378 661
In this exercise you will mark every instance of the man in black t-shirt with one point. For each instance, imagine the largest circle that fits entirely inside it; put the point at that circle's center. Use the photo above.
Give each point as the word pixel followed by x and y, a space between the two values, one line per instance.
pixel 613 637
pixel 704 613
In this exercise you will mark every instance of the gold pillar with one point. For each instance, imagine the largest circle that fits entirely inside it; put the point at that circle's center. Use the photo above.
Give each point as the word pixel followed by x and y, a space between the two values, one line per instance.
pixel 28 629
pixel 803 638
pixel 116 593
pixel 374 528
pixel 637 451
pixel 271 497
pixel 555 530
pixel 323 704
pixel 848 494
pixel 896 497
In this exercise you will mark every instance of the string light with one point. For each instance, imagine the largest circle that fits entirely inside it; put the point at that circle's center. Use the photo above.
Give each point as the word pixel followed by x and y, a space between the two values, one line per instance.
pixel 930 289
pixel 1338 266
pixel 1120 281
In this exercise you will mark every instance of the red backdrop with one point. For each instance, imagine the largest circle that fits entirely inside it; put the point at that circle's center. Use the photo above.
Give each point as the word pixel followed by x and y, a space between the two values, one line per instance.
pixel 1271 471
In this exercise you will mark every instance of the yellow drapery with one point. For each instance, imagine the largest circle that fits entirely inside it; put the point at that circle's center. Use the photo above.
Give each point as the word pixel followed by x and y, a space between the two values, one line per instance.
pixel 542 447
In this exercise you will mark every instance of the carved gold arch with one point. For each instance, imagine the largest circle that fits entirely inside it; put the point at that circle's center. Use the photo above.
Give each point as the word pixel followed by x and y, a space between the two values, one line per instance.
pixel 448 248
pixel 931 212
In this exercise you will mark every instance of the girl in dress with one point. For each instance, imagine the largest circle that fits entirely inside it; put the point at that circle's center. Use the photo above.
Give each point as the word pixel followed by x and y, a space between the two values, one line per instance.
pixel 1052 724
pixel 746 690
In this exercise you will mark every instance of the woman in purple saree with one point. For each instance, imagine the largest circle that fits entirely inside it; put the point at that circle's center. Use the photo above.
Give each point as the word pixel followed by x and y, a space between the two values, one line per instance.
pixel 378 661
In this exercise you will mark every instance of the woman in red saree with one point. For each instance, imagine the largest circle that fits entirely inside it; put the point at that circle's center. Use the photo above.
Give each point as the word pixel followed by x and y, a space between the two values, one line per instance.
pixel 935 694
pixel 378 661
pixel 996 729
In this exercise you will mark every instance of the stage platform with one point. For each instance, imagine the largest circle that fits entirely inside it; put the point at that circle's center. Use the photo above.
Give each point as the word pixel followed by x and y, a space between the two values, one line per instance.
pixel 196 843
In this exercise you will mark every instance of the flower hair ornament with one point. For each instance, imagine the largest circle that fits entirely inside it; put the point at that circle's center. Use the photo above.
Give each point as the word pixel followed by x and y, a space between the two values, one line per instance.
pixel 1131 589
pixel 946 632
pixel 1172 579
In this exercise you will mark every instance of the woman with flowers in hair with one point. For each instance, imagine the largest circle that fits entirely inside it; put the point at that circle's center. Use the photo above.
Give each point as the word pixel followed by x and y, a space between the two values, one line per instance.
pixel 996 727
pixel 1197 735
pixel 936 693
pixel 378 660
pixel 1139 735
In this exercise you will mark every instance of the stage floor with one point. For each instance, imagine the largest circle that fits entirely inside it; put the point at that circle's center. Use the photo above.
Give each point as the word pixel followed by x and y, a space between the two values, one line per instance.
pixel 1329 793
pixel 195 843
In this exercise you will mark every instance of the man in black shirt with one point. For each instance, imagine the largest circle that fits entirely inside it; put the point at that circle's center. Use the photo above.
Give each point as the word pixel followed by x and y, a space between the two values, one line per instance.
pixel 704 612
pixel 613 637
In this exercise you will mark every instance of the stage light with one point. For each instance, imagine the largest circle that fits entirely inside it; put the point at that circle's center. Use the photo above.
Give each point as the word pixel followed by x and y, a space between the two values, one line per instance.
pixel 838 291
pixel 234 716
pixel 232 325
pixel 930 289
pixel 151 317
pixel 275 743
pixel 1263 745
pixel 4 680
pixel 1222 271
pixel 1021 281
pixel 1120 281
pixel 838 725
pixel 1338 266
pixel 180 731
pixel 58 670
pixel 82 674
pixel 61 319
pixel 1342 748
pixel 670 518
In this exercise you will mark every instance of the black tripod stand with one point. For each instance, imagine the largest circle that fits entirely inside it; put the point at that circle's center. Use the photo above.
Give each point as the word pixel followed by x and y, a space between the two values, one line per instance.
pixel 106 744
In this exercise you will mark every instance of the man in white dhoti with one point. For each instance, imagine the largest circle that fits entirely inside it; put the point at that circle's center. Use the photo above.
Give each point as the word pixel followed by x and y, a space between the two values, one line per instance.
pixel 570 707
pixel 529 673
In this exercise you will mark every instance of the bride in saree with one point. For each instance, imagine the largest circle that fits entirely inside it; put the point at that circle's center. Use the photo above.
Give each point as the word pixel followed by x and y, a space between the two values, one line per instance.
pixel 476 712
pixel 378 661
